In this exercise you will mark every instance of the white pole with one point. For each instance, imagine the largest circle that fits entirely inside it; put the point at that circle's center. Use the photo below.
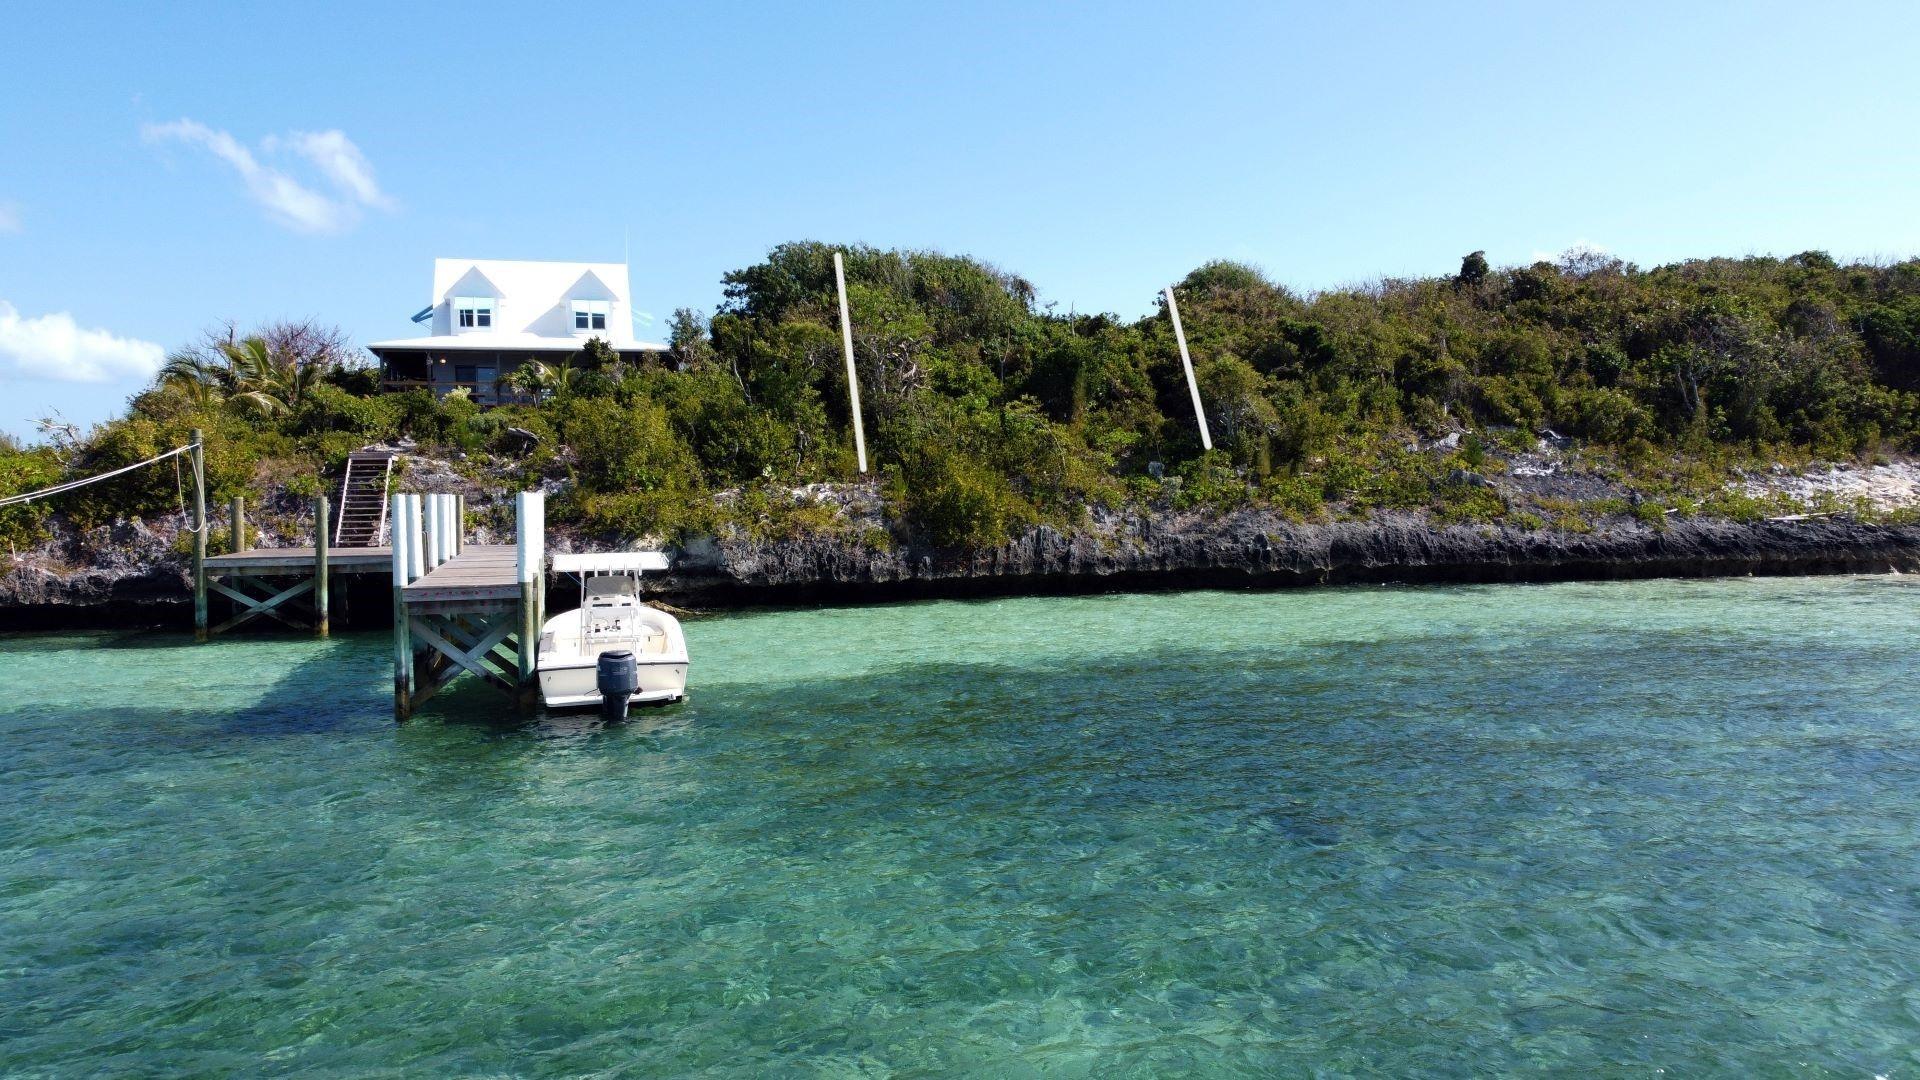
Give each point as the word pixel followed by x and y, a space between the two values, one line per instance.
pixel 521 524
pixel 530 533
pixel 449 527
pixel 416 551
pixel 432 539
pixel 397 513
pixel 853 379
pixel 1193 385
pixel 538 501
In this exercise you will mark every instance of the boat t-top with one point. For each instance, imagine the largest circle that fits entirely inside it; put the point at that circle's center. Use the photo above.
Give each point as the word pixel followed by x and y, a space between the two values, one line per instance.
pixel 612 642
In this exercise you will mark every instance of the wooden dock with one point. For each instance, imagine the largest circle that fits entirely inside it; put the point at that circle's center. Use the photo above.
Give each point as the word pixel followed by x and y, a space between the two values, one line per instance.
pixel 257 581
pixel 458 608
pixel 289 585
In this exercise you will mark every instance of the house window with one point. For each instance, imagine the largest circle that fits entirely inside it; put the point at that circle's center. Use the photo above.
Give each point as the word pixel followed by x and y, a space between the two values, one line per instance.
pixel 473 312
pixel 591 314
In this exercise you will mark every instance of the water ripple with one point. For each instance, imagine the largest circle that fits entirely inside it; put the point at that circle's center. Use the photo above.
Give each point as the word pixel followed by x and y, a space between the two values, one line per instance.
pixel 1405 831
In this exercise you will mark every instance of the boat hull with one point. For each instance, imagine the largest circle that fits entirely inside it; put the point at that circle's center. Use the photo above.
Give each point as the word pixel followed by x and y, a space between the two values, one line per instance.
pixel 576 685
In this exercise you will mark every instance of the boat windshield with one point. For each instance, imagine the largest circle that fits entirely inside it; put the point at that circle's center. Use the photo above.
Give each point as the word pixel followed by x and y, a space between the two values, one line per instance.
pixel 607 586
pixel 611 607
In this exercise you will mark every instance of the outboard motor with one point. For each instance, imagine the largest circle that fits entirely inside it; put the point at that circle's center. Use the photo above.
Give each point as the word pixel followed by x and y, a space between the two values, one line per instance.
pixel 618 676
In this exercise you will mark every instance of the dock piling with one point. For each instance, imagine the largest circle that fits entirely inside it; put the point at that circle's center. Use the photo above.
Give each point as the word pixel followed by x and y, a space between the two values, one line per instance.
pixel 530 509
pixel 416 547
pixel 237 518
pixel 430 524
pixel 406 526
pixel 321 519
pixel 199 537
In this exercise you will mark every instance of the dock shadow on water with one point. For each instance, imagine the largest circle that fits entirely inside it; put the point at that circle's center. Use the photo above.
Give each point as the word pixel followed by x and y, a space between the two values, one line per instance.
pixel 1358 831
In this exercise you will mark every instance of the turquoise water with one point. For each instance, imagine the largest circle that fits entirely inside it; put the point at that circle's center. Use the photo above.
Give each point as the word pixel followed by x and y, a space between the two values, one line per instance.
pixel 1505 829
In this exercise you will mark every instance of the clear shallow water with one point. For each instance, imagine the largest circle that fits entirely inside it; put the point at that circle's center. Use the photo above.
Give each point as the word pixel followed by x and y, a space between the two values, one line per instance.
pixel 1432 831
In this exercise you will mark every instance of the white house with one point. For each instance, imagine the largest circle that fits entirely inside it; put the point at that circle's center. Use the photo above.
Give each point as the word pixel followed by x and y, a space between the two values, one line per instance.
pixel 489 316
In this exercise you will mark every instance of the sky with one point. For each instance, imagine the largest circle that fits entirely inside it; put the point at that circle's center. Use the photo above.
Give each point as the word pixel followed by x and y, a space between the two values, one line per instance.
pixel 167 168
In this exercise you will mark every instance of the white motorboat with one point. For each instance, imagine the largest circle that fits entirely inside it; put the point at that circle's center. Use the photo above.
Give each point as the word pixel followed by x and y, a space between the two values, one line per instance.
pixel 611 619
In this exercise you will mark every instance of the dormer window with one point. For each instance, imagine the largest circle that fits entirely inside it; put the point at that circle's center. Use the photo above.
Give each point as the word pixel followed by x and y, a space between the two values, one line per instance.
pixel 591 314
pixel 473 312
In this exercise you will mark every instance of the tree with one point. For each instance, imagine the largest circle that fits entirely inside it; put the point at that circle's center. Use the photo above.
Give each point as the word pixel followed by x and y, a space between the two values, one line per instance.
pixel 599 355
pixel 1473 270
pixel 268 372
pixel 692 348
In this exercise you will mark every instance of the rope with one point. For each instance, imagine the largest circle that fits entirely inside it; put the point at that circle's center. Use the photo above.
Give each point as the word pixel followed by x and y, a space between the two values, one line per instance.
pixel 15 500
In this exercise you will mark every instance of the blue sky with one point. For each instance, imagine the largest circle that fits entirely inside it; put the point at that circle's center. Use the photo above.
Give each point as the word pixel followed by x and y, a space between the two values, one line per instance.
pixel 1099 150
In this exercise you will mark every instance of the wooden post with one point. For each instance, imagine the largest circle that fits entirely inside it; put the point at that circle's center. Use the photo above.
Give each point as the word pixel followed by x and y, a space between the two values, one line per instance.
pixel 449 527
pixel 530 556
pixel 853 378
pixel 459 523
pixel 238 518
pixel 416 551
pixel 402 629
pixel 1193 385
pixel 432 525
pixel 320 539
pixel 199 537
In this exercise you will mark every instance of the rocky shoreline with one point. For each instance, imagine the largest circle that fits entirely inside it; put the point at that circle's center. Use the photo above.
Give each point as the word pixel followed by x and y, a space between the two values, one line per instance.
pixel 145 583
pixel 1254 549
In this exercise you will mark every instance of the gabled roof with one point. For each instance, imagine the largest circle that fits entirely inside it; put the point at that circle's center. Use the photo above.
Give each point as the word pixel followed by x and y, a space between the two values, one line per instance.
pixel 527 278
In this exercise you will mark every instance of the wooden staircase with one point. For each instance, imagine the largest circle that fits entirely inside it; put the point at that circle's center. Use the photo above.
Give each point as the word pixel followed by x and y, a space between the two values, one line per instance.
pixel 362 520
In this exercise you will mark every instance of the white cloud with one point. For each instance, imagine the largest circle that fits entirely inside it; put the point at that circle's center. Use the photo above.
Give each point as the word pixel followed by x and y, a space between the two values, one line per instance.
pixel 286 199
pixel 9 217
pixel 342 162
pixel 55 347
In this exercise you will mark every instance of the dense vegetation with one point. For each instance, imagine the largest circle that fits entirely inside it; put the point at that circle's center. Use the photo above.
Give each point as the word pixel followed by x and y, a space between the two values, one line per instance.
pixel 988 412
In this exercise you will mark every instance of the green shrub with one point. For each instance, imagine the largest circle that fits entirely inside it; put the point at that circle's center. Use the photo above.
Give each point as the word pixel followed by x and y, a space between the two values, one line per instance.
pixel 22 470
pixel 955 500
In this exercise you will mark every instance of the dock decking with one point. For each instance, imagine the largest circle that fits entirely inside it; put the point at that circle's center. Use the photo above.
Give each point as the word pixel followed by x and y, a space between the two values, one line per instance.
pixel 373 560
pixel 477 572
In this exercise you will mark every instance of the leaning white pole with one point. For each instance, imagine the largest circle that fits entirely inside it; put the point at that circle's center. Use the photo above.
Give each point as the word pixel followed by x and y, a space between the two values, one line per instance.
pixel 1193 385
pixel 853 379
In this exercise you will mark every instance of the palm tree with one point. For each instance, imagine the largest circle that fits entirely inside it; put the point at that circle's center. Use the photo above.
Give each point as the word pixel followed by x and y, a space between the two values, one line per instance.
pixel 536 378
pixel 249 373
pixel 267 380
pixel 528 380
pixel 200 376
